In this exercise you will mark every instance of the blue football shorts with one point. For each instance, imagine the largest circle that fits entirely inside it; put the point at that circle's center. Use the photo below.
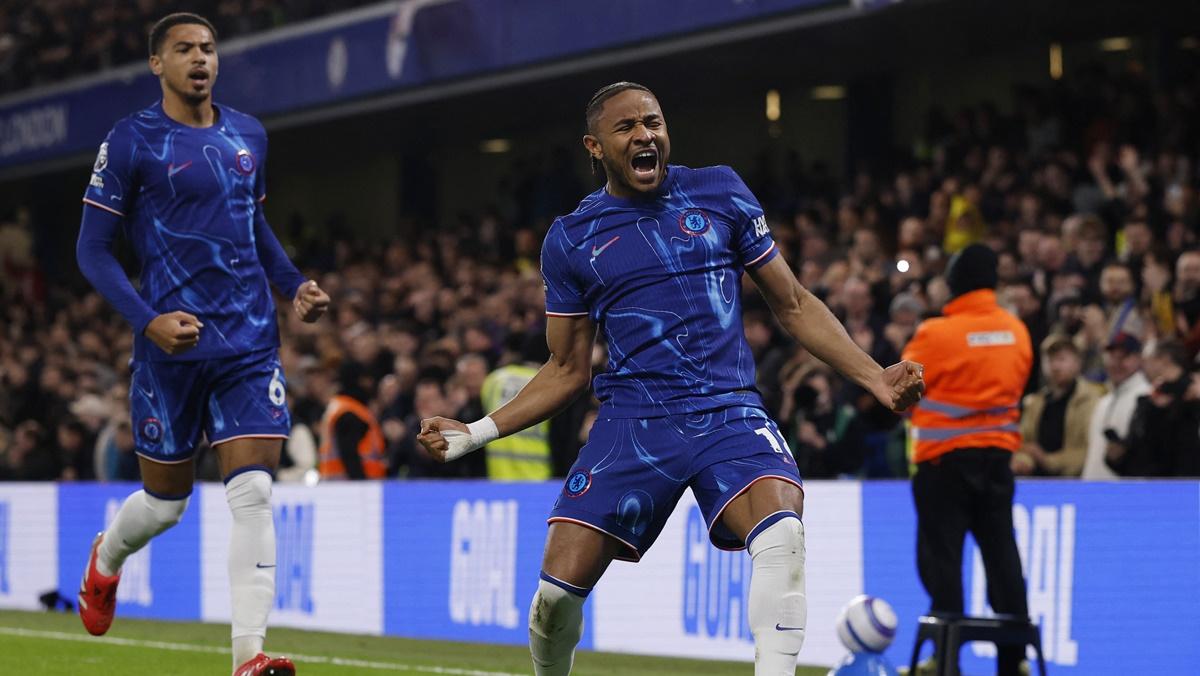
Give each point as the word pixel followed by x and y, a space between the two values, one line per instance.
pixel 632 472
pixel 172 402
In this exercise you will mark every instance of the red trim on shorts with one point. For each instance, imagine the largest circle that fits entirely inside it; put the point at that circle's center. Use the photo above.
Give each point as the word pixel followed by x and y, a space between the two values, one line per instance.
pixel 637 556
pixel 214 444
pixel 717 519
pixel 160 461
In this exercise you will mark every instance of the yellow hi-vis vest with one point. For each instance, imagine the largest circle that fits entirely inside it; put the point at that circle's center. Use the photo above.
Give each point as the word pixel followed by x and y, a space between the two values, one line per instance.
pixel 524 456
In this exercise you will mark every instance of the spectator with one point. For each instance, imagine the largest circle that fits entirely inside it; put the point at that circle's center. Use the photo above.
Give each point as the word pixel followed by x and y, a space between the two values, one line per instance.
pixel 352 445
pixel 1164 434
pixel 29 458
pixel 906 312
pixel 20 276
pixel 857 311
pixel 470 371
pixel 1020 299
pixel 1054 420
pixel 1086 259
pixel 828 439
pixel 74 449
pixel 120 458
pixel 1109 427
pixel 1120 300
pixel 412 461
pixel 1187 300
pixel 1137 239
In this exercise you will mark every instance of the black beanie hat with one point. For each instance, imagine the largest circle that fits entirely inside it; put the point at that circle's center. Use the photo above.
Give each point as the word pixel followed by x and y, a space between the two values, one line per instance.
pixel 972 269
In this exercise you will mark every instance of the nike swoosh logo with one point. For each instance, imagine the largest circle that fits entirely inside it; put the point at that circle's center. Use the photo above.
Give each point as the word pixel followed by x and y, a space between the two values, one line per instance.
pixel 779 627
pixel 172 169
pixel 596 251
pixel 260 565
pixel 149 393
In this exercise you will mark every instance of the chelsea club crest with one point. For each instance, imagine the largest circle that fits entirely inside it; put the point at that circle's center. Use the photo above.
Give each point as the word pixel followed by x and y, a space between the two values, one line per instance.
pixel 694 222
pixel 578 484
pixel 244 162
pixel 152 431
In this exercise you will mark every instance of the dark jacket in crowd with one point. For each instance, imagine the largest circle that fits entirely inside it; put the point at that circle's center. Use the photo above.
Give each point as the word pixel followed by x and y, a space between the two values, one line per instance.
pixel 1163 441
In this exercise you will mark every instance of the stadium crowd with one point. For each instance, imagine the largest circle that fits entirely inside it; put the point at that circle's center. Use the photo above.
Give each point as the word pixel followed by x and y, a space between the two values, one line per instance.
pixel 50 40
pixel 1087 190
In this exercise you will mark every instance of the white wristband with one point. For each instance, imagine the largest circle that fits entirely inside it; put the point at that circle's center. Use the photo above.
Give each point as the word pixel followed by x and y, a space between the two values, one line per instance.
pixel 483 431
pixel 478 434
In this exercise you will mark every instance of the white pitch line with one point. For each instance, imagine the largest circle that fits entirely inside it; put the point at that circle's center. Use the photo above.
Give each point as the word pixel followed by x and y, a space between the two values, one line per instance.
pixel 195 648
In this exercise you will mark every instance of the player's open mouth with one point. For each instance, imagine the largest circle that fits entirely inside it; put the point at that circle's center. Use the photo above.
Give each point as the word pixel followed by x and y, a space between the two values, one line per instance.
pixel 198 77
pixel 645 164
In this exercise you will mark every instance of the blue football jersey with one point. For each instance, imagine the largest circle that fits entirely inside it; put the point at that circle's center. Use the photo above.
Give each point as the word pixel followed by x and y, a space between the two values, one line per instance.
pixel 188 197
pixel 661 277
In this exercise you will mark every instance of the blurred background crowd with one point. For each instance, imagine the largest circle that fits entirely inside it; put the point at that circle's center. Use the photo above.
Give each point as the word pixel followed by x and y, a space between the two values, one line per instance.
pixel 50 40
pixel 1087 189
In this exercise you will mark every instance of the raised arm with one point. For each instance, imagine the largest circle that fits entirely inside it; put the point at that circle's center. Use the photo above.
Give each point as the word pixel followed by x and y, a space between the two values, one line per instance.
pixel 558 383
pixel 811 323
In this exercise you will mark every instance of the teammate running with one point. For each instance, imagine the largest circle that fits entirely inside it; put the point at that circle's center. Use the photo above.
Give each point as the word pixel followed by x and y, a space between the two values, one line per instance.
pixel 184 180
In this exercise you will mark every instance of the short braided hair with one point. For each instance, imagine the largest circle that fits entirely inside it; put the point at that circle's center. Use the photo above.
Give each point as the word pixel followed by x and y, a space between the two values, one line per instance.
pixel 596 104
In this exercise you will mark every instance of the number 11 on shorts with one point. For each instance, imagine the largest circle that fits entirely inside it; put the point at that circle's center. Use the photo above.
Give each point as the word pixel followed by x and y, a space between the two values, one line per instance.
pixel 775 440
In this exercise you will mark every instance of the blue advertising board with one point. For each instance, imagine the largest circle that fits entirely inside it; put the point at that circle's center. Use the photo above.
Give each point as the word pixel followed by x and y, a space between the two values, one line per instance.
pixel 461 559
pixel 1112 569
pixel 160 581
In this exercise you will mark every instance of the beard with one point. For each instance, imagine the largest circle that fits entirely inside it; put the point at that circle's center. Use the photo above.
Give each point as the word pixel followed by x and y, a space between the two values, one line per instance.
pixel 190 95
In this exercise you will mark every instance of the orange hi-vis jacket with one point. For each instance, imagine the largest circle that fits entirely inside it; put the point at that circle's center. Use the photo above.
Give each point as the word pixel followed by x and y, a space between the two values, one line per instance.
pixel 370 446
pixel 977 358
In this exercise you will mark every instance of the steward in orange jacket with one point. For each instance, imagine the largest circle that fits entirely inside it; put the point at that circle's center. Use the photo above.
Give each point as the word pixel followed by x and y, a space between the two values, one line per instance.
pixel 977 359
pixel 352 444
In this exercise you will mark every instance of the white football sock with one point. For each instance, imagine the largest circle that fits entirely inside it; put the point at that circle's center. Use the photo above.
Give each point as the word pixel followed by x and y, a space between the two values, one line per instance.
pixel 778 607
pixel 251 561
pixel 141 517
pixel 555 626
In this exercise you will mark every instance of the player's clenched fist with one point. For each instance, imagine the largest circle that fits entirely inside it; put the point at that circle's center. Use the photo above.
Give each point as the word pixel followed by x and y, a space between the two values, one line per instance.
pixel 447 439
pixel 174 332
pixel 310 302
pixel 902 385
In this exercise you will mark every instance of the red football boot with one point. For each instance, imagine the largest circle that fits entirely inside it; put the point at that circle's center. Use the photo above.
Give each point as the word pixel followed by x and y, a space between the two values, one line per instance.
pixel 261 665
pixel 97 594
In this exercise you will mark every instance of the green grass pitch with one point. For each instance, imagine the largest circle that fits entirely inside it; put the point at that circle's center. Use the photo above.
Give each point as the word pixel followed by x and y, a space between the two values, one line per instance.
pixel 49 644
